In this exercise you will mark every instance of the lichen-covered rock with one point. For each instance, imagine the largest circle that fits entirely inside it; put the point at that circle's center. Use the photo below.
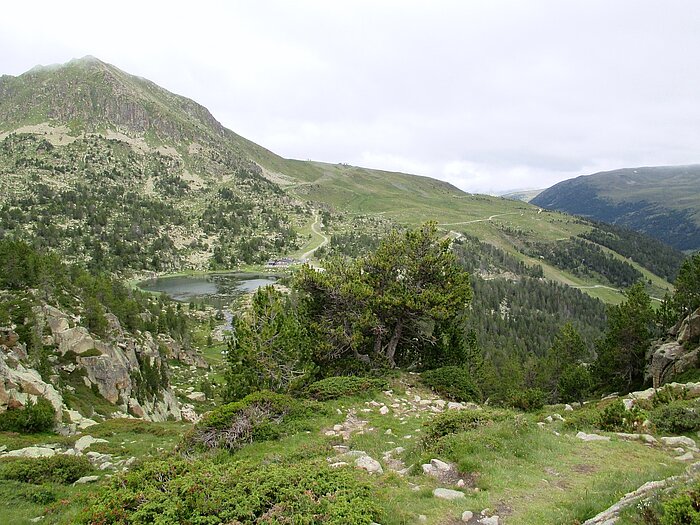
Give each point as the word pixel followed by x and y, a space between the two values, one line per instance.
pixel 669 360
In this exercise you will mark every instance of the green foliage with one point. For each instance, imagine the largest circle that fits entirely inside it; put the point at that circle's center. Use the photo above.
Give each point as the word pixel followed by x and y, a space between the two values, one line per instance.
pixel 677 417
pixel 687 294
pixel 529 399
pixel 452 382
pixel 575 384
pixel 345 386
pixel 383 308
pixel 270 348
pixel 33 418
pixel 621 353
pixel 456 421
pixel 203 492
pixel 260 416
pixel 616 418
pixel 657 257
pixel 683 509
pixel 60 468
pixel 586 259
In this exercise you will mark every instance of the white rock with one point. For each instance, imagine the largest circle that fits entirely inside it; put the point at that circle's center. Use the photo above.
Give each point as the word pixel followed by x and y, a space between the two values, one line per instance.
pixel 31 452
pixel 440 465
pixel 86 441
pixel 454 406
pixel 384 410
pixel 86 479
pixel 369 464
pixel 337 428
pixel 568 408
pixel 422 518
pixel 558 417
pixel 629 403
pixel 197 396
pixel 678 441
pixel 467 515
pixel 549 419
pixel 338 464
pixel 490 520
pixel 448 494
pixel 688 456
pixel 461 483
pixel 388 432
pixel 592 437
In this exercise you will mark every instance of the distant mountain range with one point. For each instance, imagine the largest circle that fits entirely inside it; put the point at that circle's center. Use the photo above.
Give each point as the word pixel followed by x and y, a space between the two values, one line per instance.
pixel 662 201
pixel 119 174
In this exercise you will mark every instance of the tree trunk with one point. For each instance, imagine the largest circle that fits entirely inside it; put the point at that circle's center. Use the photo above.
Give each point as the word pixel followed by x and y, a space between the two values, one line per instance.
pixel 393 343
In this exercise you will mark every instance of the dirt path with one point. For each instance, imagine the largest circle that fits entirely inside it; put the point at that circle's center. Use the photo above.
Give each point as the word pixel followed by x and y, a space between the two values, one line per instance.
pixel 478 220
pixel 316 228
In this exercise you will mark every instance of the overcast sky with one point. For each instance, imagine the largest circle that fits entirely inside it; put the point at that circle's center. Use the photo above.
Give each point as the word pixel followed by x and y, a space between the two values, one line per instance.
pixel 489 95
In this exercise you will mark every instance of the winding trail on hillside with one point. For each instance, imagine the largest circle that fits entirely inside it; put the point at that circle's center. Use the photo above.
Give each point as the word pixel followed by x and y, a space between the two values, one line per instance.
pixel 316 228
pixel 478 220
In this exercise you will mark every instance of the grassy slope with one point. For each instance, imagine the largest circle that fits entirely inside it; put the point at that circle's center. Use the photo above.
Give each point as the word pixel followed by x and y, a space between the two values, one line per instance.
pixel 411 200
pixel 528 476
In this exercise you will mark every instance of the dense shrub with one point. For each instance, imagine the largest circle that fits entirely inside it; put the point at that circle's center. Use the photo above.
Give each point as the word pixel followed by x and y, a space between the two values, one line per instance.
pixel 683 509
pixel 675 418
pixel 342 386
pixel 455 421
pixel 55 469
pixel 452 382
pixel 259 416
pixel 35 417
pixel 528 399
pixel 616 418
pixel 174 491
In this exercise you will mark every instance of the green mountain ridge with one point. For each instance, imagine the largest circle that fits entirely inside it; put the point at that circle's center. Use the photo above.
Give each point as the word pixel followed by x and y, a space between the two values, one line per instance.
pixel 107 143
pixel 661 201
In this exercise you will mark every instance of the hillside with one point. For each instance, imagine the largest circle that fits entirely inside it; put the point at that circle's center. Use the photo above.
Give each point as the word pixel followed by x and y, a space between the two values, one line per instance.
pixel 663 201
pixel 119 174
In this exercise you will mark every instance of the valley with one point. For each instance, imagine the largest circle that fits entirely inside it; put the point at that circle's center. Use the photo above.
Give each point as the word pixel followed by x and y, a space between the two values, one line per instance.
pixel 194 329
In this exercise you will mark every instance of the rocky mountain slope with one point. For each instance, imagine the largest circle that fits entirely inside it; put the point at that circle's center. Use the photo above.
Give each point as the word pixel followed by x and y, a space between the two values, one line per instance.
pixel 121 175
pixel 662 201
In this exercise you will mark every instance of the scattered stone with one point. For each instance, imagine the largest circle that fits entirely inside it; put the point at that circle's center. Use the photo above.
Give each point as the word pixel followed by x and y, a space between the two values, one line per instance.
pixel 678 441
pixel 688 456
pixel 592 437
pixel 461 484
pixel 337 428
pixel 31 452
pixel 197 396
pixel 489 520
pixel 86 479
pixel 448 494
pixel 388 432
pixel 338 464
pixel 568 408
pixel 647 438
pixel 629 403
pixel 369 464
pixel 549 419
pixel 422 518
pixel 467 515
pixel 86 441
pixel 557 417
pixel 454 406
pixel 440 465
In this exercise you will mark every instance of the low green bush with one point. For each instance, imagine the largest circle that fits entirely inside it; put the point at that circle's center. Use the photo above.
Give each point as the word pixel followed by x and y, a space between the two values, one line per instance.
pixel 616 418
pixel 683 509
pixel 452 382
pixel 260 416
pixel 56 469
pixel 677 417
pixel 175 490
pixel 528 399
pixel 344 386
pixel 33 418
pixel 455 421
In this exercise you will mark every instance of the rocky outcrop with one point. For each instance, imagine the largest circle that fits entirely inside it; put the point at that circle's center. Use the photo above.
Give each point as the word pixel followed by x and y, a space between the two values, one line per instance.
pixel 674 357
pixel 125 371
pixel 19 385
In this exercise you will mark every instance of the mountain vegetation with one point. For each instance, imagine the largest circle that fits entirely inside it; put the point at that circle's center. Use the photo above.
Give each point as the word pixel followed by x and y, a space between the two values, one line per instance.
pixel 417 338
pixel 662 202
